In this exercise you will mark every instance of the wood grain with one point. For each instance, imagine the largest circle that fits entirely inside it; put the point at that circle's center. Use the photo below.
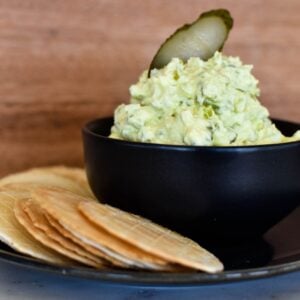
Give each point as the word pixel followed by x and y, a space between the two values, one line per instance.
pixel 65 62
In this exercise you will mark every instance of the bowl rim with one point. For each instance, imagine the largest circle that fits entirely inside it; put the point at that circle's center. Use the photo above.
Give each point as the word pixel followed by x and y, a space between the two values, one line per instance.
pixel 86 130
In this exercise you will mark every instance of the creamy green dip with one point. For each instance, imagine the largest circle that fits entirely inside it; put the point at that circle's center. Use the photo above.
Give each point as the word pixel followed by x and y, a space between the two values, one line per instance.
pixel 212 103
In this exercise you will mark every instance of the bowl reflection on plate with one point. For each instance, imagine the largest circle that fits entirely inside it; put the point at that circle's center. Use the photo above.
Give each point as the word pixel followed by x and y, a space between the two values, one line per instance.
pixel 208 192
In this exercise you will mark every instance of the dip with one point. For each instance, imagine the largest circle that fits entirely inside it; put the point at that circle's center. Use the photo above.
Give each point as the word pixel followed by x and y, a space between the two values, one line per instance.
pixel 203 103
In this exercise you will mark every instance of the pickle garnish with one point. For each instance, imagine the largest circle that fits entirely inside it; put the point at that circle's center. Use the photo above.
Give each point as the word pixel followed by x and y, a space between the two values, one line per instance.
pixel 202 38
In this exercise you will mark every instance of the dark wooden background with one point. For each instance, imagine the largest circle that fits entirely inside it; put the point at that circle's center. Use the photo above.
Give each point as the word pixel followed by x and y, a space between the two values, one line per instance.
pixel 63 62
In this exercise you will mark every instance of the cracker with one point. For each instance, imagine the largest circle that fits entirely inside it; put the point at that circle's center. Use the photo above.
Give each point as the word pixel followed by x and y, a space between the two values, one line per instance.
pixel 54 239
pixel 151 237
pixel 88 248
pixel 62 206
pixel 14 235
pixel 76 174
pixel 42 177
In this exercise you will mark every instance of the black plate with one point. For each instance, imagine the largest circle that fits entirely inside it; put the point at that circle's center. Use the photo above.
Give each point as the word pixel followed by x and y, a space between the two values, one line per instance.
pixel 278 252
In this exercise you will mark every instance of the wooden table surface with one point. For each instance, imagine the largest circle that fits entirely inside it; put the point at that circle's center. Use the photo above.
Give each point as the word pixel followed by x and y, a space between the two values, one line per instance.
pixel 65 62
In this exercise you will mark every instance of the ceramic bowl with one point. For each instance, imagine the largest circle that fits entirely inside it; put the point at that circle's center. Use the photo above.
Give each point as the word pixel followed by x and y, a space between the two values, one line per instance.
pixel 209 192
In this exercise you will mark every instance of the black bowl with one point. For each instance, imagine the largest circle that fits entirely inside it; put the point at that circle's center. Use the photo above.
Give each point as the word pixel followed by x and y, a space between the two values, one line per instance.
pixel 218 192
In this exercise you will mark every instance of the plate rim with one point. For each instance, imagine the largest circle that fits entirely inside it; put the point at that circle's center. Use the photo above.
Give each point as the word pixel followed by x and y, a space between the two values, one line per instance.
pixel 154 279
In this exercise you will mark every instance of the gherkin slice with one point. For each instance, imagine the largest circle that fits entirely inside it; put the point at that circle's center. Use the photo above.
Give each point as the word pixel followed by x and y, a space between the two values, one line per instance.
pixel 202 38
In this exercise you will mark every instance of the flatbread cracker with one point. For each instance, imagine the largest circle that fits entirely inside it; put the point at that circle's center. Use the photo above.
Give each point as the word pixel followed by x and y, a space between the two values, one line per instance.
pixel 151 237
pixel 37 219
pixel 44 178
pixel 62 206
pixel 14 235
pixel 76 174
pixel 88 248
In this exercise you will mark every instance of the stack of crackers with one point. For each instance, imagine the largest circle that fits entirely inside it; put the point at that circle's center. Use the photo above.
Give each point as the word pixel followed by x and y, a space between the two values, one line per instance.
pixel 52 215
